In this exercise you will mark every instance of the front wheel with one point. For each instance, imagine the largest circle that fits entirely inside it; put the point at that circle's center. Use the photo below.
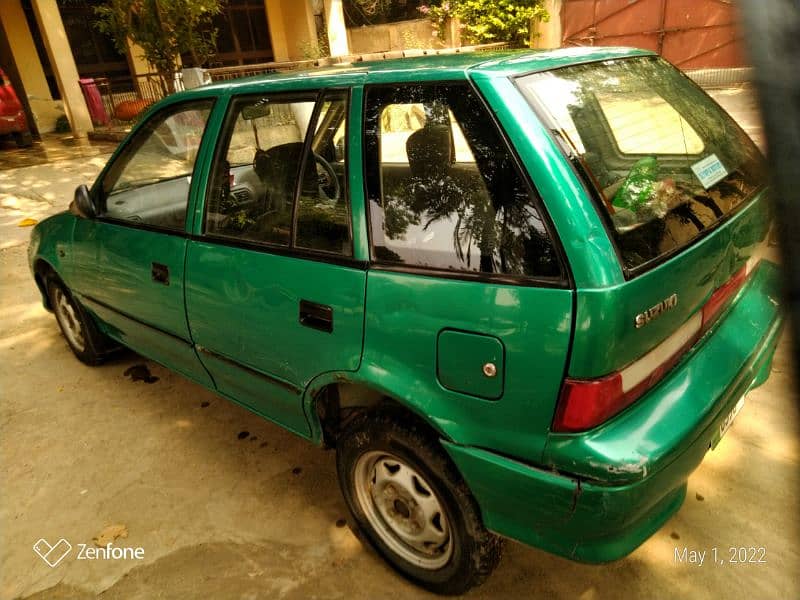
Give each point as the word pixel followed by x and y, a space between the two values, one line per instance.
pixel 81 333
pixel 412 505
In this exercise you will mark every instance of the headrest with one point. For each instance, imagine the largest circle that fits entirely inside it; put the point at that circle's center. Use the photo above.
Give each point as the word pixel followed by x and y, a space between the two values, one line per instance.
pixel 278 159
pixel 429 150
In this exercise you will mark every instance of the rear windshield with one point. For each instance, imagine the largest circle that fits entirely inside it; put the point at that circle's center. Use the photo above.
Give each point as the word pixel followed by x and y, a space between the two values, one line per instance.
pixel 666 161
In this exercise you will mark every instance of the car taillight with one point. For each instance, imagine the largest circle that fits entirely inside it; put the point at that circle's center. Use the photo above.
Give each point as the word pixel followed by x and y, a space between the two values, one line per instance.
pixel 586 403
pixel 714 305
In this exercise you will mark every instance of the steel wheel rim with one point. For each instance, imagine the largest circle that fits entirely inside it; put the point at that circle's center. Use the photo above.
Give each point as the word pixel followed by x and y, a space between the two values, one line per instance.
pixel 69 321
pixel 403 509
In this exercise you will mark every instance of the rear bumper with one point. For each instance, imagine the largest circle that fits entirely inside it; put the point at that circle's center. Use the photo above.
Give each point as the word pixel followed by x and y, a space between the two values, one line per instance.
pixel 611 488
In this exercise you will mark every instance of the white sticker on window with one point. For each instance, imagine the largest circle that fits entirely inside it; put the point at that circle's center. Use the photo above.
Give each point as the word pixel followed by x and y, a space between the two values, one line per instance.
pixel 710 171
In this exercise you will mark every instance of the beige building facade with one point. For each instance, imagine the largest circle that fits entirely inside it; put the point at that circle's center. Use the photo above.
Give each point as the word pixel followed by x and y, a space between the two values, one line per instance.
pixel 46 46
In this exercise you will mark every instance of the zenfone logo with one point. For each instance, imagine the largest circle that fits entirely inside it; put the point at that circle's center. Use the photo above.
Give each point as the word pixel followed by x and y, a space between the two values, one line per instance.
pixel 52 554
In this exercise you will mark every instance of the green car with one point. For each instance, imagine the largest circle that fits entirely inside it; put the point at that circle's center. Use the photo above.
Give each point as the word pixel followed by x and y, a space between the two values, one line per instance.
pixel 521 294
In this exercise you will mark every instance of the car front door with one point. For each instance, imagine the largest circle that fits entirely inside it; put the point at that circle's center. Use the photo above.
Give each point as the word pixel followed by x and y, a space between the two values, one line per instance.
pixel 136 246
pixel 274 294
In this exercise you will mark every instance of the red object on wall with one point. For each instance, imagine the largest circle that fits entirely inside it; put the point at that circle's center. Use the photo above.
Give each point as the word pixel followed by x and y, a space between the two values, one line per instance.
pixel 94 102
pixel 693 34
pixel 130 109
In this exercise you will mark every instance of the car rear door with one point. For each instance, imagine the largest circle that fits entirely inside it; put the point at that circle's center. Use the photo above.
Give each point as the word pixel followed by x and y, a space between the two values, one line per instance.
pixel 274 294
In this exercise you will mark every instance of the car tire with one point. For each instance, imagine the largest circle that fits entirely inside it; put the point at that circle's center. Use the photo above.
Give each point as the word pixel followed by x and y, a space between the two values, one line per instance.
pixel 24 139
pixel 79 329
pixel 412 506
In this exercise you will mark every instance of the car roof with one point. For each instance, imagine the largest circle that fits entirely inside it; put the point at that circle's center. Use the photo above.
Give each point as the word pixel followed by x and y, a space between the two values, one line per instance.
pixel 434 67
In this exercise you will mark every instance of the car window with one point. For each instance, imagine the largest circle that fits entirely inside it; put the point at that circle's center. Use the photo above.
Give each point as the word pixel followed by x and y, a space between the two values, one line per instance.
pixel 399 121
pixel 252 193
pixel 666 162
pixel 644 123
pixel 444 191
pixel 255 178
pixel 149 182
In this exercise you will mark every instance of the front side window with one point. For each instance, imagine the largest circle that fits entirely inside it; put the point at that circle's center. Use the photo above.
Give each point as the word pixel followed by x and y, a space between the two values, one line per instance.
pixel 149 183
pixel 444 191
pixel 665 160
pixel 279 177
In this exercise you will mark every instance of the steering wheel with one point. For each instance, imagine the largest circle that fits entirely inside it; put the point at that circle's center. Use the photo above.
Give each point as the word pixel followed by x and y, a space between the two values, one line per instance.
pixel 328 181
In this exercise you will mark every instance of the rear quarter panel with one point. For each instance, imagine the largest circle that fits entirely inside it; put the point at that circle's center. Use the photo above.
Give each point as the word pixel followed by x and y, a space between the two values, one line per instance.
pixel 405 315
pixel 591 256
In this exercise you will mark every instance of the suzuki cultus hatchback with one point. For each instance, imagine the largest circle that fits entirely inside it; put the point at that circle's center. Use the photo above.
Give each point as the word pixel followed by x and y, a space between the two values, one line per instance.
pixel 519 293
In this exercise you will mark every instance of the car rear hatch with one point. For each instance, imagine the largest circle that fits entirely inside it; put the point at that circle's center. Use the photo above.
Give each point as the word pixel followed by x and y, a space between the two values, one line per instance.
pixel 680 188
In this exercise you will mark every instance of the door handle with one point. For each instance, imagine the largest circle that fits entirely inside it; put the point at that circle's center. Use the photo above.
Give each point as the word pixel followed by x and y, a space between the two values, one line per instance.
pixel 316 316
pixel 159 273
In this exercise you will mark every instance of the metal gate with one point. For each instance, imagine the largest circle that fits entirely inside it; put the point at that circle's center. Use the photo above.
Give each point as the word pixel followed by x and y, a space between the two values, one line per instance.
pixel 693 34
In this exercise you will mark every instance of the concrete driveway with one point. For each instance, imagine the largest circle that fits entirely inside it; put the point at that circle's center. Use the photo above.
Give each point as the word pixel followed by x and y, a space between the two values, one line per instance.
pixel 226 505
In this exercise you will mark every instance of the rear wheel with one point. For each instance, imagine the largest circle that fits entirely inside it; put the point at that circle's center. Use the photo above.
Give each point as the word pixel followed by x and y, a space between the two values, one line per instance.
pixel 23 139
pixel 412 506
pixel 81 333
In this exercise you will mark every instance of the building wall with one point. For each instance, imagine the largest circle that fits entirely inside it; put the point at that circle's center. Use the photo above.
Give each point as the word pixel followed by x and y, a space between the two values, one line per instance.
pixel 48 50
pixel 292 29
pixel 32 84
pixel 693 34
pixel 402 35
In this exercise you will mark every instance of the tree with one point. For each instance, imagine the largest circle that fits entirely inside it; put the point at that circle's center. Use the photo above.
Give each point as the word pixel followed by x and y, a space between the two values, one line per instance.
pixel 164 29
pixel 487 21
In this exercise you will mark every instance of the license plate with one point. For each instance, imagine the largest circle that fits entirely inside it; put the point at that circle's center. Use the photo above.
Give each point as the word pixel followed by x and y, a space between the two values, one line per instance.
pixel 727 421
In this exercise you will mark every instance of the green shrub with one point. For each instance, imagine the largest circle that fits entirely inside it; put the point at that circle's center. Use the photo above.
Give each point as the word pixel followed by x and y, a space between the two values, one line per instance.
pixel 488 21
pixel 62 124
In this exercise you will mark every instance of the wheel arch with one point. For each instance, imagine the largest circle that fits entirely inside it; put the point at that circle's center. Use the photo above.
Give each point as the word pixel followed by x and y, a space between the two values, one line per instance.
pixel 332 399
pixel 42 271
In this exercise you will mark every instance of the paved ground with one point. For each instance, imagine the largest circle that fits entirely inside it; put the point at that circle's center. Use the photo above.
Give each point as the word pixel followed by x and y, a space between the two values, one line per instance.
pixel 39 181
pixel 221 514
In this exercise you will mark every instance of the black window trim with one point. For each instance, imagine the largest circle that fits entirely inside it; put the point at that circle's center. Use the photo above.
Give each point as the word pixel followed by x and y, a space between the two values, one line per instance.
pixel 326 256
pixel 563 281
pixel 311 134
pixel 592 193
pixel 130 146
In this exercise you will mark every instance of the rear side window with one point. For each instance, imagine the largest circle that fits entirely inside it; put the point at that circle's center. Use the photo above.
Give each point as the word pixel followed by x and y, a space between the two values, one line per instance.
pixel 253 188
pixel 444 191
pixel 666 162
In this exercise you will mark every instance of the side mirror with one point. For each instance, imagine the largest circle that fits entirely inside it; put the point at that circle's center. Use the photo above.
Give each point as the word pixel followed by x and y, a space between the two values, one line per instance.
pixel 83 205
